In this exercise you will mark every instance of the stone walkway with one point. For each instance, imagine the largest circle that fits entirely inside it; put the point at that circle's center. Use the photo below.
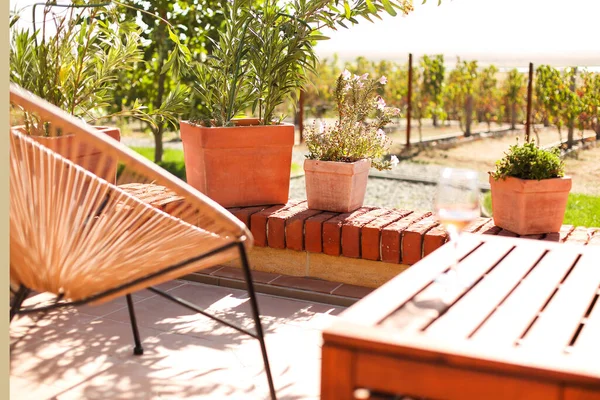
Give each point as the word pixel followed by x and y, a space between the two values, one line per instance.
pixel 87 353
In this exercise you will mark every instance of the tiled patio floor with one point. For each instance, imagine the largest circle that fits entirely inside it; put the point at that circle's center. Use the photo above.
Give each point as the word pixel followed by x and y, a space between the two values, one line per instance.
pixel 86 353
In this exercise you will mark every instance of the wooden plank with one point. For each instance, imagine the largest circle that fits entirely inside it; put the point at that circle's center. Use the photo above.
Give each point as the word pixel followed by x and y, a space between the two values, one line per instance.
pixel 465 316
pixel 336 373
pixel 588 342
pixel 577 393
pixel 511 319
pixel 387 298
pixel 435 299
pixel 440 381
pixel 557 324
pixel 461 354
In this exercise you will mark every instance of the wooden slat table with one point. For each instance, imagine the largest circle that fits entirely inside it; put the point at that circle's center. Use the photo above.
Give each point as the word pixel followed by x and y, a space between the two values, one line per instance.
pixel 528 327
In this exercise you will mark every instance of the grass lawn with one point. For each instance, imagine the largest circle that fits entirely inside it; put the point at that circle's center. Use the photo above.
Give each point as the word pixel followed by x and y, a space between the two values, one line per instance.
pixel 172 159
pixel 174 163
pixel 582 209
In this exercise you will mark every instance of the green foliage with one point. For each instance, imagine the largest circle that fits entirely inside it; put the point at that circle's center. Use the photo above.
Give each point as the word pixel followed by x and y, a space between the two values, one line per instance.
pixel 487 95
pixel 76 69
pixel 353 138
pixel 272 53
pixel 432 84
pixel 79 68
pixel 589 93
pixel 530 162
pixel 172 161
pixel 582 210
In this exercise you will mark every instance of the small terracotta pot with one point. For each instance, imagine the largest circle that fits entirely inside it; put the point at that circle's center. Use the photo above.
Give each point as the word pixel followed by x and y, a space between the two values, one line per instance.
pixel 86 156
pixel 244 165
pixel 336 186
pixel 529 206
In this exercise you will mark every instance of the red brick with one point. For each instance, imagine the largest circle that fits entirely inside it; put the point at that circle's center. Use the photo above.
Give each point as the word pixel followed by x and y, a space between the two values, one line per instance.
pixel 565 230
pixel 534 237
pixel 391 236
pixel 258 222
pixel 595 240
pixel 434 239
pixel 244 214
pixel 313 231
pixel 332 231
pixel 351 231
pixel 504 232
pixel 476 225
pixel 371 234
pixel 294 229
pixel 276 224
pixel 489 228
pixel 412 239
pixel 580 234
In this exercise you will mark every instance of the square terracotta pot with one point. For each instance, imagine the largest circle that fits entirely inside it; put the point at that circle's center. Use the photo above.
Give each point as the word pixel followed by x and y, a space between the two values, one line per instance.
pixel 529 206
pixel 336 186
pixel 244 165
pixel 85 155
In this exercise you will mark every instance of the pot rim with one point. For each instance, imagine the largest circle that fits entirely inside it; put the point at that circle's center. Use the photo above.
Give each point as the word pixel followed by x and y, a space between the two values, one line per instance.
pixel 252 125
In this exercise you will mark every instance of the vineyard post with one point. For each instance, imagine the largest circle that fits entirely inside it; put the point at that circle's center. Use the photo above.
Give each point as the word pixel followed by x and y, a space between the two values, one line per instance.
pixel 300 115
pixel 409 100
pixel 571 121
pixel 529 96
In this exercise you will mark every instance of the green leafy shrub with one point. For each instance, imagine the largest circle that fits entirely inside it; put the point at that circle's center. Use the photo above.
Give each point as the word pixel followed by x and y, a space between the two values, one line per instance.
pixel 352 137
pixel 528 161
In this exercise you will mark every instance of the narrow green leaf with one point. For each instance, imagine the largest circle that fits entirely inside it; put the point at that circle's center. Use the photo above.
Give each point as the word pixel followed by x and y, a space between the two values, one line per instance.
pixel 388 7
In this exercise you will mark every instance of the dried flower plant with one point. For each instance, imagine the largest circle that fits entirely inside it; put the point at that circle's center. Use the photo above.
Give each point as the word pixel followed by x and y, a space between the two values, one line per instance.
pixel 358 133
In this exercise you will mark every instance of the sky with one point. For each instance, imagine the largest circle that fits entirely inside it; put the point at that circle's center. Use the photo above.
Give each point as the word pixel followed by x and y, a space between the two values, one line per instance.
pixel 505 32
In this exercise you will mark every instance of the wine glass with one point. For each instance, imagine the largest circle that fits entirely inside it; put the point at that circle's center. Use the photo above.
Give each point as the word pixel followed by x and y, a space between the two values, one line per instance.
pixel 456 206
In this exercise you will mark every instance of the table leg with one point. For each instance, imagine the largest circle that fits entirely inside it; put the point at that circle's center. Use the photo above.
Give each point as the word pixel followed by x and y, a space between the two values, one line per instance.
pixel 337 373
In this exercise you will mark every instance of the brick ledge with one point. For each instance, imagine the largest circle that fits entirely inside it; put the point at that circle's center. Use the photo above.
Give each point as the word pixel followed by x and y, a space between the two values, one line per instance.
pixel 371 233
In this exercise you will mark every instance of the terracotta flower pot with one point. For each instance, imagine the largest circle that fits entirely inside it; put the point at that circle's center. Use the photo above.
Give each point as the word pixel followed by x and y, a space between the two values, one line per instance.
pixel 336 186
pixel 529 206
pixel 86 156
pixel 245 165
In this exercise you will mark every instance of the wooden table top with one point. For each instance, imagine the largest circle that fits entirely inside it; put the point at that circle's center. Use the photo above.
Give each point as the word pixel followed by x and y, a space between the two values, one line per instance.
pixel 533 308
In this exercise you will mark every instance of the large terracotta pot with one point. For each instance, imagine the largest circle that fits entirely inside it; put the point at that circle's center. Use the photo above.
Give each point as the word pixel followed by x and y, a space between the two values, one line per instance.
pixel 86 156
pixel 336 186
pixel 529 206
pixel 244 165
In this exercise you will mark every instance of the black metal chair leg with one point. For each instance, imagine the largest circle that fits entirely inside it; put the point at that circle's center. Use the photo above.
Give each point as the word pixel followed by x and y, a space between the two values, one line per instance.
pixel 18 300
pixel 256 316
pixel 138 349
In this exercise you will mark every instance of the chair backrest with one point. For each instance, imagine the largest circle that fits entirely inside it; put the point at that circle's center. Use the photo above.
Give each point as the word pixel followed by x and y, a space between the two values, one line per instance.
pixel 75 231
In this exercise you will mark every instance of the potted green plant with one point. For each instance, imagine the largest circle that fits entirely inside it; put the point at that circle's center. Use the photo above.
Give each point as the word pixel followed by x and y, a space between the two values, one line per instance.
pixel 73 62
pixel 261 59
pixel 529 190
pixel 339 157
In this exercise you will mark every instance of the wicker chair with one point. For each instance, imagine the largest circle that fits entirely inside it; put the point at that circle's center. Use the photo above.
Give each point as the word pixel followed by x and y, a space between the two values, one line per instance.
pixel 77 231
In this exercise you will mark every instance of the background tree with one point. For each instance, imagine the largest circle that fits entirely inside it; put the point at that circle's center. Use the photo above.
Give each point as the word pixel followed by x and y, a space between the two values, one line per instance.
pixel 157 81
pixel 487 96
pixel 319 90
pixel 461 88
pixel 514 95
pixel 589 94
pixel 432 84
